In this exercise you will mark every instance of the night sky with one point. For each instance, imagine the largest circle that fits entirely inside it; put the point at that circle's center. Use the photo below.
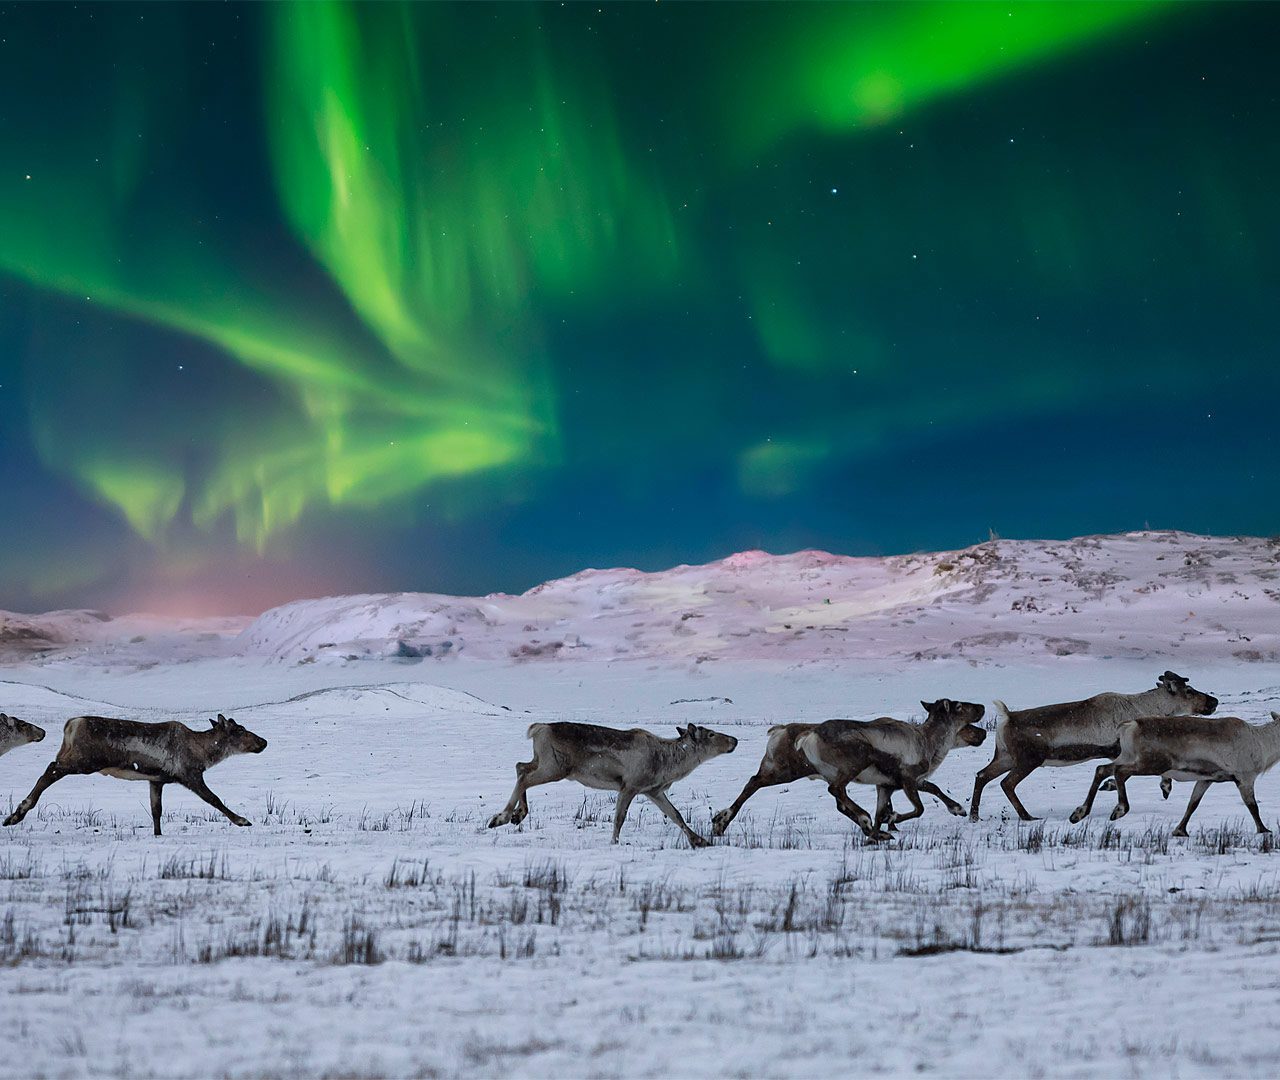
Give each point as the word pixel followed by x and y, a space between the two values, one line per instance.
pixel 316 299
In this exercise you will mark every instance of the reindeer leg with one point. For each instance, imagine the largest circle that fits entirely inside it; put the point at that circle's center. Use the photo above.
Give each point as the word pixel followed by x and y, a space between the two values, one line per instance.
pixel 517 803
pixel 1015 777
pixel 1197 793
pixel 528 774
pixel 884 807
pixel 855 813
pixel 620 811
pixel 1102 772
pixel 1122 793
pixel 1246 793
pixel 930 788
pixel 1166 786
pixel 199 787
pixel 658 796
pixel 157 790
pixel 725 817
pixel 51 775
pixel 912 792
pixel 998 767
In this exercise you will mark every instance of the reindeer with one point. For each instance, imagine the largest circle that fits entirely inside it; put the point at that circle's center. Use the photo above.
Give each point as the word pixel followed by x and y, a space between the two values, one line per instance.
pixel 15 732
pixel 635 762
pixel 167 753
pixel 1190 748
pixel 783 763
pixel 1076 731
pixel 890 754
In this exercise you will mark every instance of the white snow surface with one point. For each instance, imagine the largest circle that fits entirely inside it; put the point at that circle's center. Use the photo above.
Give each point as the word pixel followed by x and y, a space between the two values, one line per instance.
pixel 1114 595
pixel 368 924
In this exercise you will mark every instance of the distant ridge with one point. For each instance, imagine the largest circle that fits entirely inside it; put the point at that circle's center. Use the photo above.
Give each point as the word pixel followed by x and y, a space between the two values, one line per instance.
pixel 1165 594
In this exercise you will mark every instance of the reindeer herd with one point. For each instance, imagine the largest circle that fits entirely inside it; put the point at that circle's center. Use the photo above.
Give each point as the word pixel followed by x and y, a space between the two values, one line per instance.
pixel 1159 732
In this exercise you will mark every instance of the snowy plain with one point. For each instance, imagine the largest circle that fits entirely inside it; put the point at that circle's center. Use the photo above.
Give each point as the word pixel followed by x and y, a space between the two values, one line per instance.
pixel 369 924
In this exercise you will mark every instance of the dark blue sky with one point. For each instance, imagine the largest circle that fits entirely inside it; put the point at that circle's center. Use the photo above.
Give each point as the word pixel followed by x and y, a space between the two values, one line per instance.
pixel 314 299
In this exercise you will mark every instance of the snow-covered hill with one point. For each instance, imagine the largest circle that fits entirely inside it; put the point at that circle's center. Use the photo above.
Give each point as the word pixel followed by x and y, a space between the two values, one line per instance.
pixel 1133 595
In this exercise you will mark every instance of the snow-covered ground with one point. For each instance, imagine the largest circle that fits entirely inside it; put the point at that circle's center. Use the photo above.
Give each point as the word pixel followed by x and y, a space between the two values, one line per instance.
pixel 368 924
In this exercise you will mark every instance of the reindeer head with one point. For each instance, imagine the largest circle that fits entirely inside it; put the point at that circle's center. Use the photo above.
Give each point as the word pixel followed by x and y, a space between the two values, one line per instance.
pixel 15 732
pixel 1178 697
pixel 234 738
pixel 709 743
pixel 958 718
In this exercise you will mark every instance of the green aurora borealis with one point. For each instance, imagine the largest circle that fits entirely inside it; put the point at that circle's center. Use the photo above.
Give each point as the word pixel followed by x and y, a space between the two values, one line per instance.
pixel 327 297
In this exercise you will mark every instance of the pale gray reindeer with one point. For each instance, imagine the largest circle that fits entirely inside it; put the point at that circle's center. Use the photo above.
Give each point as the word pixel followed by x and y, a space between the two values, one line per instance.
pixel 15 733
pixel 635 762
pixel 165 753
pixel 782 763
pixel 1076 731
pixel 1190 748
pixel 890 754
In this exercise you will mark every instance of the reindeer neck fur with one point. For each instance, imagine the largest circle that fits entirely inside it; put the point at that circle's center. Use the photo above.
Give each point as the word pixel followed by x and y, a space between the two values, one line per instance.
pixel 678 757
pixel 210 747
pixel 1265 744
pixel 939 739
pixel 1153 702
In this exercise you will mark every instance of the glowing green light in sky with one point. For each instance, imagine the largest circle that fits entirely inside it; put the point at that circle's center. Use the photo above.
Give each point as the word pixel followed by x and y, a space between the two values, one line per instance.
pixel 439 210
pixel 422 238
pixel 842 67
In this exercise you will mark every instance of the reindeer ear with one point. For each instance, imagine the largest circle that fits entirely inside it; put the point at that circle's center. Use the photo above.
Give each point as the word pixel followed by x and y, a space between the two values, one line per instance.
pixel 928 705
pixel 683 732
pixel 221 719
pixel 1275 715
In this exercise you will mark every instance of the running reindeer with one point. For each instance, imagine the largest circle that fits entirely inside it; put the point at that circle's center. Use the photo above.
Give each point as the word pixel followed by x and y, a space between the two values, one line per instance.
pixel 632 763
pixel 15 733
pixel 167 753
pixel 890 754
pixel 1189 748
pixel 1076 731
pixel 783 764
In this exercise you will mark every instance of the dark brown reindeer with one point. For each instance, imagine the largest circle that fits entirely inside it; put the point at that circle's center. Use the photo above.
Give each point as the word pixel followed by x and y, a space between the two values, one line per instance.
pixel 1076 731
pixel 635 762
pixel 167 753
pixel 890 754
pixel 783 764
pixel 15 733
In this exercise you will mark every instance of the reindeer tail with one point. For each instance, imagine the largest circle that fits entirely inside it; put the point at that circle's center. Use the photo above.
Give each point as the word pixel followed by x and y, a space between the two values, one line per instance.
pixel 1002 718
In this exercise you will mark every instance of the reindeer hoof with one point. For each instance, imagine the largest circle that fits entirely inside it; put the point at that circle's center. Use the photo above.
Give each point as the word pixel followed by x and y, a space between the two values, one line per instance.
pixel 698 841
pixel 1178 832
pixel 1109 784
pixel 1119 812
pixel 719 823
pixel 973 815
pixel 496 820
pixel 13 818
pixel 958 811
pixel 243 822
pixel 1078 815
